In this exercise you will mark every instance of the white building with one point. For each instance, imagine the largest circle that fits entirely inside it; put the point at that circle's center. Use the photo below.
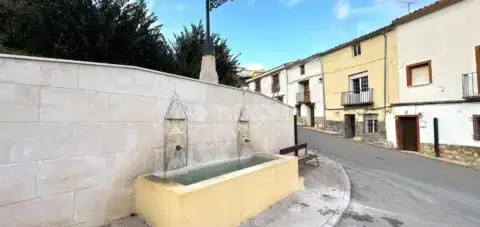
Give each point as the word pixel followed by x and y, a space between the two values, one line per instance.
pixel 438 61
pixel 298 84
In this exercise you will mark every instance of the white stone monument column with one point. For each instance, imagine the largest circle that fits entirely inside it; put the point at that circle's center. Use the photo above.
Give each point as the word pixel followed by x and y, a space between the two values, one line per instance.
pixel 208 70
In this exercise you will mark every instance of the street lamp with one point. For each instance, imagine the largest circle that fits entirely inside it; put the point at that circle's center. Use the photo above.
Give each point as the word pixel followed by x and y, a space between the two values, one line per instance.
pixel 208 71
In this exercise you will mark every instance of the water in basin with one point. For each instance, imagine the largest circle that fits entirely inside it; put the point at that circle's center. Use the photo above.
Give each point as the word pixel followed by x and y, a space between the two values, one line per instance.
pixel 202 174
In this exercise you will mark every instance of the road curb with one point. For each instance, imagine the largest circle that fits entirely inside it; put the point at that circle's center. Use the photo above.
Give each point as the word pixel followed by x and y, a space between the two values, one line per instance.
pixel 396 150
pixel 343 176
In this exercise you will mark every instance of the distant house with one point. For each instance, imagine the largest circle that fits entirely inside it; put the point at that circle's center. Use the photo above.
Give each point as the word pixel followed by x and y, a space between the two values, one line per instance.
pixel 360 83
pixel 298 84
pixel 438 77
pixel 245 74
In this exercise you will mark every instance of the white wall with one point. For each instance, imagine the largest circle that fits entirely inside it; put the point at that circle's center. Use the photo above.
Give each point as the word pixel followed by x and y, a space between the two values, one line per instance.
pixel 75 135
pixel 289 86
pixel 266 85
pixel 313 72
pixel 454 123
pixel 447 38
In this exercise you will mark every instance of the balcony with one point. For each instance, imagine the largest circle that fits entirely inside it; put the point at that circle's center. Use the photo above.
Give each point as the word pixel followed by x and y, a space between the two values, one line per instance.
pixel 470 85
pixel 351 98
pixel 275 88
pixel 303 97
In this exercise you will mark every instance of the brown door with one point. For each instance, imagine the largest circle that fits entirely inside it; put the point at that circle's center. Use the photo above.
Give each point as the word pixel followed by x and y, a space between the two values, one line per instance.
pixel 306 91
pixel 349 125
pixel 407 133
pixel 477 57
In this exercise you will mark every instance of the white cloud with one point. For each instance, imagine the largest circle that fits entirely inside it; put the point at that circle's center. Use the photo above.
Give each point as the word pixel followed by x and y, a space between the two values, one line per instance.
pixel 342 9
pixel 291 3
pixel 254 67
pixel 180 6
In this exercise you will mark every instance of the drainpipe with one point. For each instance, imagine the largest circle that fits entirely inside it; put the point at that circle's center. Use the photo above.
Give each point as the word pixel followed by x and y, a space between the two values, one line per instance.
pixel 286 89
pixel 385 80
pixel 323 91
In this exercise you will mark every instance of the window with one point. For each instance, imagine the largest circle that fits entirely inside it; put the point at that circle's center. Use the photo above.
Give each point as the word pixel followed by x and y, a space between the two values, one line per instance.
pixel 257 86
pixel 371 123
pixel 302 70
pixel 356 49
pixel 419 73
pixel 476 127
pixel 359 83
pixel 275 84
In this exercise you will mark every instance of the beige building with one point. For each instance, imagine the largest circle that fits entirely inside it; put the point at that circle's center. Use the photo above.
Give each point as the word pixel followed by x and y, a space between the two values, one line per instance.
pixel 360 84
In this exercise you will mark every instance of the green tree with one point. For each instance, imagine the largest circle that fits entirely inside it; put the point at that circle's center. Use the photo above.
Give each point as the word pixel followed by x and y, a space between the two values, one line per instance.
pixel 187 48
pixel 112 31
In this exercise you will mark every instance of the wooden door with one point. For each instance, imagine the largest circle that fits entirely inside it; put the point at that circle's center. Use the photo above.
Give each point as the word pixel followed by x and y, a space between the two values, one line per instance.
pixel 477 57
pixel 306 91
pixel 312 115
pixel 407 133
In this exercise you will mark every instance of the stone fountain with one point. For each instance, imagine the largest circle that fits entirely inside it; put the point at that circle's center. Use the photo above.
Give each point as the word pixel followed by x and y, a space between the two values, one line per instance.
pixel 212 194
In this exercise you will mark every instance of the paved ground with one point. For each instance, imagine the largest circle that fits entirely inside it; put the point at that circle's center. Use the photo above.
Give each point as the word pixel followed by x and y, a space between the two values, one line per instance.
pixel 320 204
pixel 390 188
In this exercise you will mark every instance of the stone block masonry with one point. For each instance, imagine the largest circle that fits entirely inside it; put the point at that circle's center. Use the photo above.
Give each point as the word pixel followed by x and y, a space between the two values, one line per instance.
pixel 465 154
pixel 75 135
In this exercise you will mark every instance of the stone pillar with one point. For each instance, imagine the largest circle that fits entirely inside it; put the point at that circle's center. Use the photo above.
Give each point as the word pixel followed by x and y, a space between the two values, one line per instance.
pixel 208 71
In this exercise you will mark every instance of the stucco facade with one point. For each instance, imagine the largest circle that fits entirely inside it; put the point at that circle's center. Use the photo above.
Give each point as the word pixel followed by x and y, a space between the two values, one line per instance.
pixel 451 54
pixel 291 82
pixel 339 66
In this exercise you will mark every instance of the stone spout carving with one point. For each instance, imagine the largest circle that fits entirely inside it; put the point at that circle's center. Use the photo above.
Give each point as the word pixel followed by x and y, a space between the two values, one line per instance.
pixel 243 133
pixel 176 136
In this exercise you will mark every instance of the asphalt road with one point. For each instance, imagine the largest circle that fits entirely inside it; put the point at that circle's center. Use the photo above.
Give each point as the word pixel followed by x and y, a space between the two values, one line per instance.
pixel 390 188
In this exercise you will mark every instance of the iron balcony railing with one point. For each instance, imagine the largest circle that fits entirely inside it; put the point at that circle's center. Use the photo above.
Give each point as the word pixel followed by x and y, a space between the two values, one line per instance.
pixel 470 83
pixel 357 97
pixel 275 88
pixel 303 97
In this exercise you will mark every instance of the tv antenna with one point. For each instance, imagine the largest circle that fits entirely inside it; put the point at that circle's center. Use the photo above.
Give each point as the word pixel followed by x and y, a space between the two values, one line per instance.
pixel 409 3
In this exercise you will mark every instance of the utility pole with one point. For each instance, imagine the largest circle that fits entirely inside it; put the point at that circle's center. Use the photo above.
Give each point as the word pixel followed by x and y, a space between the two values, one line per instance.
pixel 208 70
pixel 409 3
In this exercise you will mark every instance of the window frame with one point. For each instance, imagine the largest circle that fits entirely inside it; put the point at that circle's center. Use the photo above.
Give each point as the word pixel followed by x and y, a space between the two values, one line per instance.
pixel 358 76
pixel 476 127
pixel 356 50
pixel 302 69
pixel 367 118
pixel 409 68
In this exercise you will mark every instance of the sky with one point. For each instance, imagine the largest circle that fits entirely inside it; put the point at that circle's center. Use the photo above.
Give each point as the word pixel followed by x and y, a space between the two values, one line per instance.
pixel 267 33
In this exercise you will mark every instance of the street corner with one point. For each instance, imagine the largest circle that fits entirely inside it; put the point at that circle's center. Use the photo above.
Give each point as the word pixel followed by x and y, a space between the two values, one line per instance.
pixel 322 202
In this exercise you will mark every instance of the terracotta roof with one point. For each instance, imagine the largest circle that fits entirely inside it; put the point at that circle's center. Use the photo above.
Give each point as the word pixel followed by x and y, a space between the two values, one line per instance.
pixel 359 39
pixel 438 5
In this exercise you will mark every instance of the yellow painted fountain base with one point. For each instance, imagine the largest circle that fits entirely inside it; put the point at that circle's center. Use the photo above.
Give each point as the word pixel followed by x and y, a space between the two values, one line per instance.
pixel 223 201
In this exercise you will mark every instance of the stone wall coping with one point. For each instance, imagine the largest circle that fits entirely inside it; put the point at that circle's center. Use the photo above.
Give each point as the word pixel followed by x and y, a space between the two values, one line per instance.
pixel 56 60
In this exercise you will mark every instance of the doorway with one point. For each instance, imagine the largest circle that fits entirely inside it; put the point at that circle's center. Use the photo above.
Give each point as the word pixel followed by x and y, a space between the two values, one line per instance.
pixel 349 125
pixel 408 136
pixel 306 91
pixel 311 115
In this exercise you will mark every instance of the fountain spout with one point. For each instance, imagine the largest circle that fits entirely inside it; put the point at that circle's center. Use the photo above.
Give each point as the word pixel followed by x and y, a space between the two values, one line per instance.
pixel 247 140
pixel 178 147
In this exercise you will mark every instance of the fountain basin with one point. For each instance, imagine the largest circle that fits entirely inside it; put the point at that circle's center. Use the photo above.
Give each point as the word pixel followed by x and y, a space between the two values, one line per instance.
pixel 221 201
